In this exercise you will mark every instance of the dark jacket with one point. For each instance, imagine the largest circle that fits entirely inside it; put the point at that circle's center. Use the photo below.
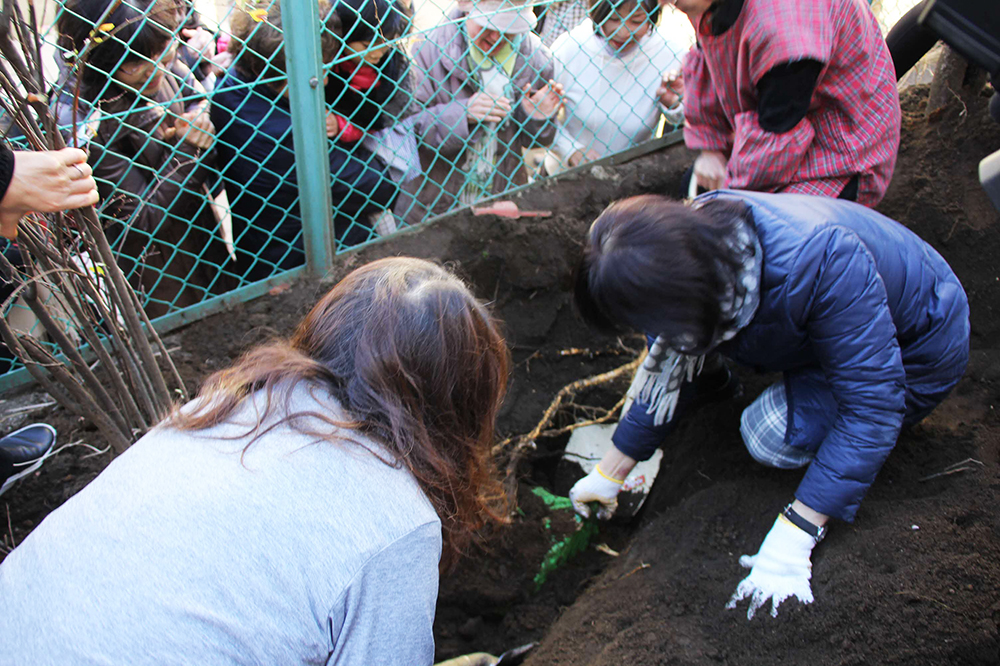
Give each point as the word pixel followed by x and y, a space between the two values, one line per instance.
pixel 154 199
pixel 257 160
pixel 867 322
pixel 378 107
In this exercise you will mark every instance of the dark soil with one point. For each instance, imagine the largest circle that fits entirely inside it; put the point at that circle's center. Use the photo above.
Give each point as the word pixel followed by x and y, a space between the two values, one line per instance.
pixel 885 592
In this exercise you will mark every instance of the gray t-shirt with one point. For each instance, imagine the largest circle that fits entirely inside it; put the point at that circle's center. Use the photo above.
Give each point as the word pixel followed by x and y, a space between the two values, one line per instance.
pixel 182 553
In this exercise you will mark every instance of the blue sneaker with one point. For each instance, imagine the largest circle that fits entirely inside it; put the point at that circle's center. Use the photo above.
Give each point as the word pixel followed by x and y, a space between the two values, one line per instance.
pixel 22 452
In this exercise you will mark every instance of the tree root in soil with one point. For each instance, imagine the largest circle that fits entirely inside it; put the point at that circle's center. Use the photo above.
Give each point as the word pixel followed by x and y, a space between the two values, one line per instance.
pixel 524 443
pixel 966 465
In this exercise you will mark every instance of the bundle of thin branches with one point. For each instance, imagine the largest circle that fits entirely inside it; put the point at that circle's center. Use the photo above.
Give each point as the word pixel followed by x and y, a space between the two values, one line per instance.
pixel 72 283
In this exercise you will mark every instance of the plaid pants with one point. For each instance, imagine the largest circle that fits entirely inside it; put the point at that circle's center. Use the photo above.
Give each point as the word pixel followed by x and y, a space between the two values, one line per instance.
pixel 763 426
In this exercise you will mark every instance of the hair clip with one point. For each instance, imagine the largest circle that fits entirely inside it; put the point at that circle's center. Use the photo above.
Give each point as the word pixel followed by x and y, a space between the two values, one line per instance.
pixel 101 32
pixel 258 15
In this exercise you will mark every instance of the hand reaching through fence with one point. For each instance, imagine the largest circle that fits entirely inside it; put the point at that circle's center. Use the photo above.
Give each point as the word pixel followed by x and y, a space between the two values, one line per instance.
pixel 149 153
pixel 610 67
pixel 195 127
pixel 340 128
pixel 544 102
pixel 46 182
pixel 483 46
pixel 579 157
pixel 255 140
pixel 671 90
pixel 485 108
pixel 200 41
pixel 221 62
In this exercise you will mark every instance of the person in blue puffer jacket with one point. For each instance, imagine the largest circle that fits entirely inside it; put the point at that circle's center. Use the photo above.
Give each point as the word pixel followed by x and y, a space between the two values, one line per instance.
pixel 867 323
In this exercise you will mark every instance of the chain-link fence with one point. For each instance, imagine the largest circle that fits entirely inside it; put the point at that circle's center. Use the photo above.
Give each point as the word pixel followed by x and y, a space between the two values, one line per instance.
pixel 239 145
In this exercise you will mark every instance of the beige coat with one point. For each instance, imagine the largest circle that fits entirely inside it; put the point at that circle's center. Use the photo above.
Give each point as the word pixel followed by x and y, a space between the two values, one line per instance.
pixel 443 86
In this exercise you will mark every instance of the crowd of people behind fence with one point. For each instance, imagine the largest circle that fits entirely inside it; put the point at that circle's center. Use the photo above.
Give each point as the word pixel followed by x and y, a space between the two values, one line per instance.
pixel 189 131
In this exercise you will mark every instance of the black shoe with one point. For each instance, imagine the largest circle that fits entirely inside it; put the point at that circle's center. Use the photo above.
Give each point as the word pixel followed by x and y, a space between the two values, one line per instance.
pixel 23 451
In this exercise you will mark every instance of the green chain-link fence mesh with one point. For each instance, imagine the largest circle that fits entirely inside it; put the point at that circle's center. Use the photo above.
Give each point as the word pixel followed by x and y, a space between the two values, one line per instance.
pixel 186 114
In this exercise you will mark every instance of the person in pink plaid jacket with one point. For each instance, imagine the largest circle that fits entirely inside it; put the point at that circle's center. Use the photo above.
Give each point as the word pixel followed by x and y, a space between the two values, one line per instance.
pixel 790 96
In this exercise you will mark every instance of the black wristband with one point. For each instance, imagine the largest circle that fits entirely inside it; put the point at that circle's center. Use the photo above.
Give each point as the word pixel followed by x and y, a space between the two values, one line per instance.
pixel 815 531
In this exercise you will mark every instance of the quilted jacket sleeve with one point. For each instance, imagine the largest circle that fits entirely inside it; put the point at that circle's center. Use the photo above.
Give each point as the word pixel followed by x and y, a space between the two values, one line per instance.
pixel 840 301
pixel 636 436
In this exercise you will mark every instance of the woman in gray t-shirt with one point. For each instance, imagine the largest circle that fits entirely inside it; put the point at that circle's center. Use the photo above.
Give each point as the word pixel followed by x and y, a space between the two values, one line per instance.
pixel 298 511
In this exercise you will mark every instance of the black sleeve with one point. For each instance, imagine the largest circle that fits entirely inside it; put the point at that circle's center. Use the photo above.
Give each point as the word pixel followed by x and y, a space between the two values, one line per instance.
pixel 6 168
pixel 909 41
pixel 784 93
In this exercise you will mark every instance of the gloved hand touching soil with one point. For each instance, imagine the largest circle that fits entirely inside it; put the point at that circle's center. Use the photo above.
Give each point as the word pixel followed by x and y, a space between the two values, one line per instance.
pixel 602 485
pixel 781 569
pixel 596 487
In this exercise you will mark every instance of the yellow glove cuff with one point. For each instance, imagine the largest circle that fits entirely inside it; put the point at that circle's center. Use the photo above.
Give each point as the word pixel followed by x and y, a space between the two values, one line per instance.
pixel 597 468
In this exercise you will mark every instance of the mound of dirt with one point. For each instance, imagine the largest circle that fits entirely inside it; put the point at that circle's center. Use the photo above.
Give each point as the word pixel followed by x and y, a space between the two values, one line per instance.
pixel 916 579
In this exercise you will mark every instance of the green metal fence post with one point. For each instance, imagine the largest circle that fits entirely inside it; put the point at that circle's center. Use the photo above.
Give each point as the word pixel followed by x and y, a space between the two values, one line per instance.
pixel 303 54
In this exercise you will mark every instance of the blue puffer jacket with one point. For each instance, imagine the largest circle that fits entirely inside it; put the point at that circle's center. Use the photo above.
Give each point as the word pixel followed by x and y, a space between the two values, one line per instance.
pixel 869 325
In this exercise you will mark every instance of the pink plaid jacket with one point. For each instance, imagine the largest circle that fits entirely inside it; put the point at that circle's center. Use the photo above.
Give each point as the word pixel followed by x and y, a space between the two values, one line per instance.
pixel 852 126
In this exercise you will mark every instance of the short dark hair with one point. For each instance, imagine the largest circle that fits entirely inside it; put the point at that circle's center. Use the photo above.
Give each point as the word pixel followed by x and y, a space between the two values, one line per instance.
pixel 258 43
pixel 601 9
pixel 657 266
pixel 142 29
pixel 363 20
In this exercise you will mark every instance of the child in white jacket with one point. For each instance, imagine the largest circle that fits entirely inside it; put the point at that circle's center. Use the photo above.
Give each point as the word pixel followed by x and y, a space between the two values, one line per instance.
pixel 617 70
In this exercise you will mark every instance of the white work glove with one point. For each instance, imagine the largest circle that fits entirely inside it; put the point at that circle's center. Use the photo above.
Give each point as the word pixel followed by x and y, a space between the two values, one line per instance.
pixel 780 569
pixel 596 487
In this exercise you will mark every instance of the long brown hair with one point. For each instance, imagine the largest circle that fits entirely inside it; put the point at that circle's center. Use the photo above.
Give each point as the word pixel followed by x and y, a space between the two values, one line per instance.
pixel 417 363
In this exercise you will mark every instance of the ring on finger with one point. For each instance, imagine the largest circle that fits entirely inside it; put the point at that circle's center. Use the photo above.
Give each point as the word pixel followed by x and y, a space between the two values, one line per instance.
pixel 79 171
